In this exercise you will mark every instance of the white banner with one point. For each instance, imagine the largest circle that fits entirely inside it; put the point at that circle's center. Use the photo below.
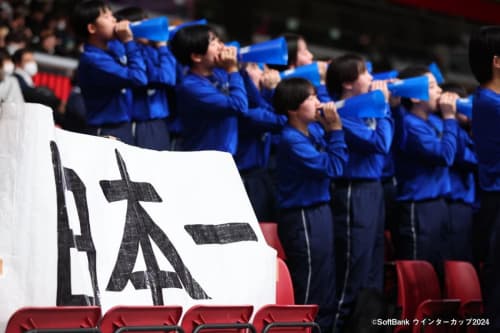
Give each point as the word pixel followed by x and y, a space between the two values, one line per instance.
pixel 89 220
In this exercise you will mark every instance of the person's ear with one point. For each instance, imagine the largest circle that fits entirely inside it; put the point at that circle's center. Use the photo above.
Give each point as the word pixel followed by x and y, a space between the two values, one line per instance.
pixel 91 28
pixel 496 62
pixel 196 58
pixel 415 100
pixel 347 86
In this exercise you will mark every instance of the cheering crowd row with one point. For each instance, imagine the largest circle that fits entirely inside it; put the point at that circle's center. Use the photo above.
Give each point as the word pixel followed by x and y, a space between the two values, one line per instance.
pixel 332 182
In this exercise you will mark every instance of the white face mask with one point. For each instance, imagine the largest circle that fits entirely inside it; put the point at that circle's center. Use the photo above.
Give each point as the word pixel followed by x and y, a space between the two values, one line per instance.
pixel 12 48
pixel 8 68
pixel 31 68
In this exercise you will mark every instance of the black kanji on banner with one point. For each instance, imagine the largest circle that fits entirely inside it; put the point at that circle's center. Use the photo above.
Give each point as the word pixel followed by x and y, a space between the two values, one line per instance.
pixel 139 229
pixel 67 180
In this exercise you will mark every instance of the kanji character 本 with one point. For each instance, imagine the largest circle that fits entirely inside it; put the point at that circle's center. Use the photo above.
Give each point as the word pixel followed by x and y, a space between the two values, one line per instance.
pixel 139 229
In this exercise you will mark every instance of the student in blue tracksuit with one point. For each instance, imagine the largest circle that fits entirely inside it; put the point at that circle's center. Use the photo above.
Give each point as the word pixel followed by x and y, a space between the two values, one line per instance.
pixel 484 60
pixel 426 149
pixel 462 188
pixel 212 94
pixel 357 193
pixel 254 142
pixel 150 106
pixel 308 157
pixel 105 76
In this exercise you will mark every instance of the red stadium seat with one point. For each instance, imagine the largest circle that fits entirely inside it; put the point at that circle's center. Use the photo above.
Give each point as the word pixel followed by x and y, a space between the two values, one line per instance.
pixel 286 319
pixel 81 319
pixel 270 231
pixel 284 285
pixel 419 297
pixel 461 282
pixel 222 319
pixel 59 84
pixel 141 318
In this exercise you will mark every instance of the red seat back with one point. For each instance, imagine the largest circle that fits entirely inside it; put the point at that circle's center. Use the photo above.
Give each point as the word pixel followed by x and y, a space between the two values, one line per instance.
pixel 461 281
pixel 54 317
pixel 215 314
pixel 270 231
pixel 290 318
pixel 284 285
pixel 417 282
pixel 126 316
pixel 59 84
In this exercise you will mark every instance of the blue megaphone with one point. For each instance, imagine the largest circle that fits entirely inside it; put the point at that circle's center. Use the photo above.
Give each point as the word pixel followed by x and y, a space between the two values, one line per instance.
pixel 274 51
pixel 154 29
pixel 369 105
pixel 464 106
pixel 309 72
pixel 369 66
pixel 436 72
pixel 415 87
pixel 385 75
pixel 174 28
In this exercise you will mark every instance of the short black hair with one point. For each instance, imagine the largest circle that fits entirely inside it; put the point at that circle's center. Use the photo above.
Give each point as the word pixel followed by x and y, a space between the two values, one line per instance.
pixel 17 57
pixel 193 39
pixel 290 93
pixel 132 13
pixel 345 68
pixel 409 72
pixel 84 13
pixel 484 44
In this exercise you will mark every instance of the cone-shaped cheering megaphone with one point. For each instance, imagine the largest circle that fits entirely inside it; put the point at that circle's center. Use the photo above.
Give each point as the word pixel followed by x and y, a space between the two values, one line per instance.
pixel 369 105
pixel 155 29
pixel 309 72
pixel 369 66
pixel 464 106
pixel 273 52
pixel 174 28
pixel 436 72
pixel 415 87
pixel 385 75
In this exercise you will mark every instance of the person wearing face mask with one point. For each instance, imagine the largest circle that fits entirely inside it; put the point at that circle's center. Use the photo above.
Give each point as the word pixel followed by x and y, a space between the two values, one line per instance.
pixel 9 87
pixel 25 69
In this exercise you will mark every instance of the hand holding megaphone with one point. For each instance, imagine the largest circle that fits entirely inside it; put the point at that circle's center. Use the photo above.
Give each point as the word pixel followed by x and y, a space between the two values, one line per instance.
pixel 328 117
pixel 227 59
pixel 270 79
pixel 123 32
pixel 447 105
pixel 382 86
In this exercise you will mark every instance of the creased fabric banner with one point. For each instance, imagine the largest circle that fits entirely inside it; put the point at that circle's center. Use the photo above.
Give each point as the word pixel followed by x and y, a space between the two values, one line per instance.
pixel 91 221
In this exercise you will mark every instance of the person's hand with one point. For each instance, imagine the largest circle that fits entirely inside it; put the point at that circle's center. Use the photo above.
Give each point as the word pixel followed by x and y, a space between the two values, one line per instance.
pixel 447 105
pixel 227 59
pixel 270 79
pixel 328 117
pixel 123 32
pixel 382 86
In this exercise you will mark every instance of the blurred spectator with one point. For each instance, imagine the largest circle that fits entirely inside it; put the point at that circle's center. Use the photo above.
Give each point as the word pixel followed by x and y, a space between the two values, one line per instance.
pixel 48 42
pixel 25 69
pixel 14 41
pixel 9 87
